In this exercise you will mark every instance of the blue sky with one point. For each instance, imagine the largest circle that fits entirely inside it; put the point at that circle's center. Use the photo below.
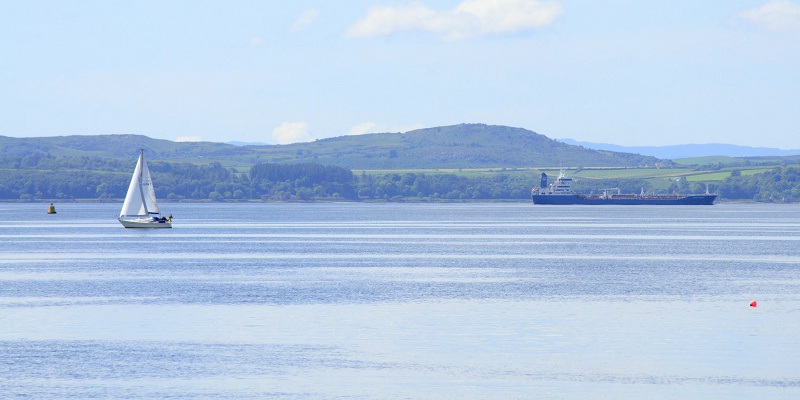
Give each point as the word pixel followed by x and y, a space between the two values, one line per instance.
pixel 626 72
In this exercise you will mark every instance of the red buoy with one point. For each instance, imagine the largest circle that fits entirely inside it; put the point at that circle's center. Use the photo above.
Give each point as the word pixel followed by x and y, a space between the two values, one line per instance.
pixel 753 303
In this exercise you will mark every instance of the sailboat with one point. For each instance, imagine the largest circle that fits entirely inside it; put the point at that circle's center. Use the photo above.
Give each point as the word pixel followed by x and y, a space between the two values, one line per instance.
pixel 140 209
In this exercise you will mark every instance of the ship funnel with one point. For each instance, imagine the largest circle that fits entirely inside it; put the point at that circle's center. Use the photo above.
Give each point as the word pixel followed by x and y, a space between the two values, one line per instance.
pixel 543 183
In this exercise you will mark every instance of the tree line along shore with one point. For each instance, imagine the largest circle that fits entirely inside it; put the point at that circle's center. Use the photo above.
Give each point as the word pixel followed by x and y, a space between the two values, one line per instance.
pixel 83 178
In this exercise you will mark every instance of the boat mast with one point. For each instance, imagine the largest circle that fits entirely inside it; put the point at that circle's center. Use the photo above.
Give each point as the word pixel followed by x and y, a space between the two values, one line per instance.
pixel 141 176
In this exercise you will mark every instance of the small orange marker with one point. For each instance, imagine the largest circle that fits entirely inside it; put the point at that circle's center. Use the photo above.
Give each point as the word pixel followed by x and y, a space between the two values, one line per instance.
pixel 753 303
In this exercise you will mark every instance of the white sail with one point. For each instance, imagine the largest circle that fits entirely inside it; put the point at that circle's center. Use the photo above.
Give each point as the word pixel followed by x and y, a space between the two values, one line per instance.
pixel 140 209
pixel 141 198
pixel 149 194
pixel 134 201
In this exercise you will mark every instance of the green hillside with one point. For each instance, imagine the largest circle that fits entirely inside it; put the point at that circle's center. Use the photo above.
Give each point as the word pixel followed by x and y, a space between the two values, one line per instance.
pixel 457 146
pixel 460 162
pixel 124 148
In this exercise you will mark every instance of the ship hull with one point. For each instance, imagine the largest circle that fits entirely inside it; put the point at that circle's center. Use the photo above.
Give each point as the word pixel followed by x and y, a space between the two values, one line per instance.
pixel 695 200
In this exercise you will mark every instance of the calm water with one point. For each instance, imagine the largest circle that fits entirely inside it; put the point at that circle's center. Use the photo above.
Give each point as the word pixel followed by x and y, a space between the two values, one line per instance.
pixel 401 301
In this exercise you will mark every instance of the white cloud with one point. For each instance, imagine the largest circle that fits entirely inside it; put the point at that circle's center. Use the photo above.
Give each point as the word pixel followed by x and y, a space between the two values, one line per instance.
pixel 291 132
pixel 305 19
pixel 469 18
pixel 256 41
pixel 383 20
pixel 775 15
pixel 188 139
pixel 362 128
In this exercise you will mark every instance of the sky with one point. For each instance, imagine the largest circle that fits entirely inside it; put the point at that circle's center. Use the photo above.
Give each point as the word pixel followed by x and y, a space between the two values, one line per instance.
pixel 625 72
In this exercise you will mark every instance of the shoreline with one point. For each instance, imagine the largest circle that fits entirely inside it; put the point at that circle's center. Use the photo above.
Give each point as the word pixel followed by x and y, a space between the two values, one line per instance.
pixel 251 201
pixel 320 201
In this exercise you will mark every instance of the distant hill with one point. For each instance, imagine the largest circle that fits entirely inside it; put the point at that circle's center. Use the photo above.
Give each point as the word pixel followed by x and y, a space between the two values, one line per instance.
pixel 495 163
pixel 457 146
pixel 114 147
pixel 687 150
pixel 238 143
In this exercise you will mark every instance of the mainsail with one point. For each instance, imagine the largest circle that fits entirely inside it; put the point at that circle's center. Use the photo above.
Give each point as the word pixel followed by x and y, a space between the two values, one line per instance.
pixel 141 198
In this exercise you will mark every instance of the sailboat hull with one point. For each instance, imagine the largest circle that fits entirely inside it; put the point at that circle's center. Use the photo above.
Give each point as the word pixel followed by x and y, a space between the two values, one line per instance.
pixel 144 223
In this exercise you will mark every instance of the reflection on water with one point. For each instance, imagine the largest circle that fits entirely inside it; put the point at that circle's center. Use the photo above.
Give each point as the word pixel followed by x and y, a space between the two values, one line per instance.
pixel 401 301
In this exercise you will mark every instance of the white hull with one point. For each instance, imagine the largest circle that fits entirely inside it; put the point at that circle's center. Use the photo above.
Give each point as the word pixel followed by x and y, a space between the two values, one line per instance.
pixel 144 223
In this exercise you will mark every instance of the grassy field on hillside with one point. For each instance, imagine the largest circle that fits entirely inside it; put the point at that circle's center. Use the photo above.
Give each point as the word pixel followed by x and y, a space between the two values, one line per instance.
pixel 468 172
pixel 631 173
pixel 721 175
pixel 583 173
pixel 658 177
pixel 705 160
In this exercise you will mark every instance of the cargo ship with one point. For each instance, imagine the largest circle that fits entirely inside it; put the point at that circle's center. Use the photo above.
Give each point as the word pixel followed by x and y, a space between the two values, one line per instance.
pixel 560 192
